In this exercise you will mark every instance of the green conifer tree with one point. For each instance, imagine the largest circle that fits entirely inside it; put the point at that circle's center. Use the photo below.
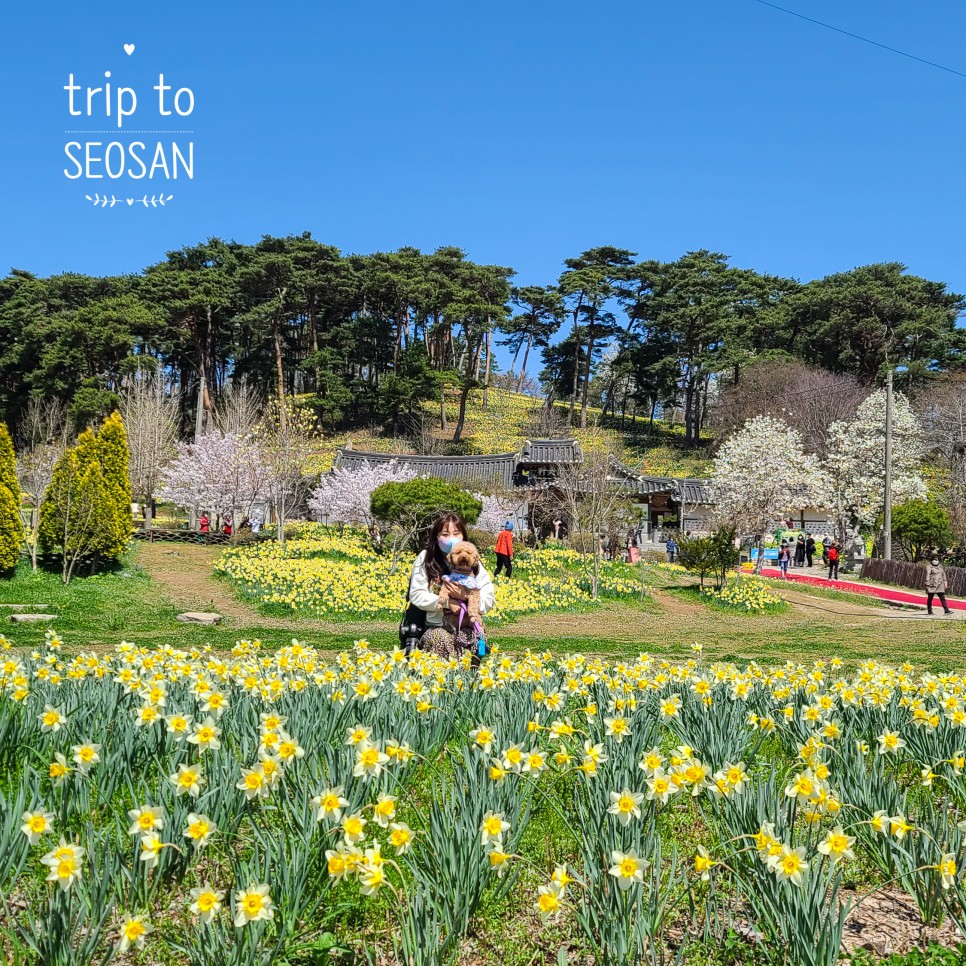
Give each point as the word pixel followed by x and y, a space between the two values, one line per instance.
pixel 114 459
pixel 11 523
pixel 73 519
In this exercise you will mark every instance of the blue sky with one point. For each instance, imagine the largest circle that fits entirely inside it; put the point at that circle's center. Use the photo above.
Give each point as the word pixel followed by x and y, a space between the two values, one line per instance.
pixel 523 132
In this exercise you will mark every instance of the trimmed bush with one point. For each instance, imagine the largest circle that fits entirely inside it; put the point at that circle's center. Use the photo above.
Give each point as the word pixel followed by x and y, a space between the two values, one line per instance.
pixel 11 523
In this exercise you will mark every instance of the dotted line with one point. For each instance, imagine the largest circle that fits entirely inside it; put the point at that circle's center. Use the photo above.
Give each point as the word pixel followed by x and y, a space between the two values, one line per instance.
pixel 117 131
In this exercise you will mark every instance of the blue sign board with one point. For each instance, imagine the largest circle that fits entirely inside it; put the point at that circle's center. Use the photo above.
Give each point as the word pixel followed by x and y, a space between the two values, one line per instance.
pixel 771 553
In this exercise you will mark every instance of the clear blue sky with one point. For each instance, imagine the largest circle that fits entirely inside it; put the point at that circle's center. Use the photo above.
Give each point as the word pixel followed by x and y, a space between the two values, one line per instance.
pixel 523 132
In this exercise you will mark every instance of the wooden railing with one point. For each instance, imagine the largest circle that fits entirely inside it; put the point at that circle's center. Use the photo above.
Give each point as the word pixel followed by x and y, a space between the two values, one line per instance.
pixel 912 575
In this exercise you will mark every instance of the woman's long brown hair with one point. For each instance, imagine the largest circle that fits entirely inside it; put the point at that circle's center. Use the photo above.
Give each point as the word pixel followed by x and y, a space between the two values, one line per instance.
pixel 435 562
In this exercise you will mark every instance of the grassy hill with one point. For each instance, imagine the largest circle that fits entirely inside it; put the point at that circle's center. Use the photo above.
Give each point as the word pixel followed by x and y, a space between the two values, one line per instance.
pixel 510 418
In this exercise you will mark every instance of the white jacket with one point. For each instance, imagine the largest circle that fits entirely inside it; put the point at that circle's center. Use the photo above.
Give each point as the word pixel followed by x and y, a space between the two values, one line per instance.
pixel 424 598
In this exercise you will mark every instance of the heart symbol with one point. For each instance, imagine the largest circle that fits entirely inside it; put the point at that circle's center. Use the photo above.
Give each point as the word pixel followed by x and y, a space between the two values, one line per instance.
pixel 129 49
pixel 130 201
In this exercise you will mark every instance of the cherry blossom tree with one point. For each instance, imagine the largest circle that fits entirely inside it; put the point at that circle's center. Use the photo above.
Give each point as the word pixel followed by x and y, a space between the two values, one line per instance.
pixel 344 495
pixel 855 465
pixel 759 475
pixel 497 509
pixel 221 473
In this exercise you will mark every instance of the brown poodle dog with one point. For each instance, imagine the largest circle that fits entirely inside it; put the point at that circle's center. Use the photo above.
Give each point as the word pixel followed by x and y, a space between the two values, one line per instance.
pixel 464 562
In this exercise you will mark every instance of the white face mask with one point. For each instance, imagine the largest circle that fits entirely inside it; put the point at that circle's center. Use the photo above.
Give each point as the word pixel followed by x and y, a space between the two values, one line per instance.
pixel 935 563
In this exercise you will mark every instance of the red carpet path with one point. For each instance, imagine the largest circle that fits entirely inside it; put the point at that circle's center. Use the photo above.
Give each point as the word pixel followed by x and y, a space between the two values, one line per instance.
pixel 882 593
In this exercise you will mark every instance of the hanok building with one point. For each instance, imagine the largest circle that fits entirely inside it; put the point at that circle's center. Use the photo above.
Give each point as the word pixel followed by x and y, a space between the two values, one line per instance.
pixel 654 503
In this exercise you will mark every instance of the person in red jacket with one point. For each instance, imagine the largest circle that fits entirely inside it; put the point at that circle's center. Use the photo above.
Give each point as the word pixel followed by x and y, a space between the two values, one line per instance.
pixel 504 550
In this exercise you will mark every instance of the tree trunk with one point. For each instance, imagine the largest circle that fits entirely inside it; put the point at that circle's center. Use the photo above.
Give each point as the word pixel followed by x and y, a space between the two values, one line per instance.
pixel 523 368
pixel 314 330
pixel 489 356
pixel 760 562
pixel 462 417
pixel 573 388
pixel 35 531
pixel 200 413
pixel 279 372
pixel 516 355
pixel 586 389
pixel 442 408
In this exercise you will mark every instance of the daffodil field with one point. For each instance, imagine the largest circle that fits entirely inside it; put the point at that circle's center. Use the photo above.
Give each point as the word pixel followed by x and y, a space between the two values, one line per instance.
pixel 254 808
pixel 750 593
pixel 338 575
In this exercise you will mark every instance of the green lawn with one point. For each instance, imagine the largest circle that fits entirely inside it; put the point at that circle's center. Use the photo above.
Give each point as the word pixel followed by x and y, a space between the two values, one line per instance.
pixel 139 603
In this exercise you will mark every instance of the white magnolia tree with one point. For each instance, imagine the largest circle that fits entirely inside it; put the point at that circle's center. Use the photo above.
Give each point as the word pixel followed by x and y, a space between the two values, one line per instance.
pixel 344 495
pixel 760 474
pixel 221 473
pixel 855 465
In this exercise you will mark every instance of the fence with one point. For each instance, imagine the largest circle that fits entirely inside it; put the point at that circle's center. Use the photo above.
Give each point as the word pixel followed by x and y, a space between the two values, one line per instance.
pixel 160 535
pixel 911 575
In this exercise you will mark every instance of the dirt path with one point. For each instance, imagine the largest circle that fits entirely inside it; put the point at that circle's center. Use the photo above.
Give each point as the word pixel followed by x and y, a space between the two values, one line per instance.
pixel 802 600
pixel 186 575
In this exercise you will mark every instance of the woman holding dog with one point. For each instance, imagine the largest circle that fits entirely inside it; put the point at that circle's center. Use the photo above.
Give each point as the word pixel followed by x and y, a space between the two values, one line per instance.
pixel 445 634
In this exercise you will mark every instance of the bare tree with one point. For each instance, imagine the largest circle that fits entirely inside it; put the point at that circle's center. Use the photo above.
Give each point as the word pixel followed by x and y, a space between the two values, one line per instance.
pixel 239 409
pixel 150 407
pixel 942 412
pixel 549 422
pixel 806 399
pixel 591 494
pixel 288 440
pixel 44 436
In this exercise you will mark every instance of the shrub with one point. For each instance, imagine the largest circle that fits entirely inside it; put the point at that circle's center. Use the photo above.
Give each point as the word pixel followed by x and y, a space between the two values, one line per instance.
pixel 416 504
pixel 11 523
pixel 918 525
pixel 483 539
pixel 715 555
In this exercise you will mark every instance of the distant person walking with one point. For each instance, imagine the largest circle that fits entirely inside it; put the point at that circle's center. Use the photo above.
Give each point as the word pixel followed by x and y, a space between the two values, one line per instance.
pixel 205 523
pixel 800 551
pixel 784 558
pixel 504 551
pixel 833 560
pixel 557 524
pixel 936 585
pixel 672 549
pixel 809 550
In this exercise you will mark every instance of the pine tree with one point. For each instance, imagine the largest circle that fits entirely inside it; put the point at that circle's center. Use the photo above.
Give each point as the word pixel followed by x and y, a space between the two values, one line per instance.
pixel 114 459
pixel 11 523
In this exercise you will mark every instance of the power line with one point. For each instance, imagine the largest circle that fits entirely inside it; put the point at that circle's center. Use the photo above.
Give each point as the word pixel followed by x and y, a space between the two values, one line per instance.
pixel 865 40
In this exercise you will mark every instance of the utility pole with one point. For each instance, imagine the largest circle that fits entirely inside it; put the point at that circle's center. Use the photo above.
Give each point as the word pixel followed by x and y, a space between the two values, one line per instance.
pixel 887 516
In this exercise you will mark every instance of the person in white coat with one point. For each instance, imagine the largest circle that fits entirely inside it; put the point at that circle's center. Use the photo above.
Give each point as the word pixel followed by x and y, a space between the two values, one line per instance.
pixel 428 578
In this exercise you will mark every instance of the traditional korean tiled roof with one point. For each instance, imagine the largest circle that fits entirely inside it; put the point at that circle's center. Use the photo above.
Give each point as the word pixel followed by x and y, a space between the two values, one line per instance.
pixel 649 485
pixel 548 451
pixel 537 456
pixel 496 468
pixel 692 491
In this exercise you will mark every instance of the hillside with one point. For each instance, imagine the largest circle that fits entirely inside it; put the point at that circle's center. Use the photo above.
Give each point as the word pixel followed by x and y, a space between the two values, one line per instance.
pixel 511 418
